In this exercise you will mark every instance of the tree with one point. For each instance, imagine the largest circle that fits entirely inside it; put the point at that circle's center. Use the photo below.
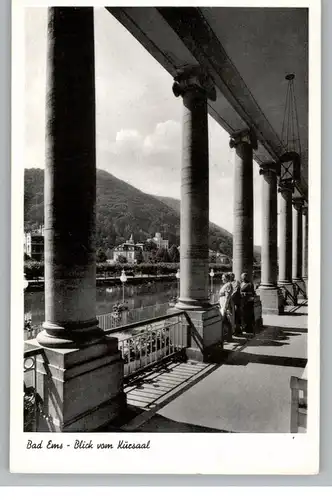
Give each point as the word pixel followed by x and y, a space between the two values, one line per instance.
pixel 162 255
pixel 150 246
pixel 139 257
pixel 213 258
pixel 101 255
pixel 174 254
pixel 109 254
pixel 122 259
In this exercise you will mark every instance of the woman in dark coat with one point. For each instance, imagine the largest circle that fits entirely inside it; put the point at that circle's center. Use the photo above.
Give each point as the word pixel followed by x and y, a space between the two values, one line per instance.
pixel 247 304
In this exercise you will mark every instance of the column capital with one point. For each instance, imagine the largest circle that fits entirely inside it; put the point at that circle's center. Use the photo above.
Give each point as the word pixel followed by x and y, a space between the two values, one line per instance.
pixel 298 203
pixel 305 210
pixel 194 78
pixel 286 186
pixel 269 167
pixel 246 136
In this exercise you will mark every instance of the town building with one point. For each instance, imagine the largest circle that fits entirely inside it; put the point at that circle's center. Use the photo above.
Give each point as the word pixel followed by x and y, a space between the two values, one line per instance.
pixel 34 244
pixel 222 258
pixel 129 250
pixel 160 242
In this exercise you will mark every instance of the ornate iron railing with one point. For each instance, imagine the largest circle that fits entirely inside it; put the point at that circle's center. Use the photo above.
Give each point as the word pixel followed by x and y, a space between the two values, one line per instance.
pixel 127 317
pixel 111 320
pixel 152 340
pixel 33 404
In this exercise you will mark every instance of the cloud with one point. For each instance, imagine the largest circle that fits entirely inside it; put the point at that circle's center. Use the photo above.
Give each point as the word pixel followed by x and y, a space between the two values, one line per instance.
pixel 165 138
pixel 138 119
pixel 128 142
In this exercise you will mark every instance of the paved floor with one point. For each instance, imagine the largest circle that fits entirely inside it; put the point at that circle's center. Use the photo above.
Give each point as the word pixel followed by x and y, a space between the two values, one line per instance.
pixel 248 392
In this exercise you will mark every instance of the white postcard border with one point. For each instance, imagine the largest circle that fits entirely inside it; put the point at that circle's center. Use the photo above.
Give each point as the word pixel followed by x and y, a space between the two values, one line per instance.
pixel 169 453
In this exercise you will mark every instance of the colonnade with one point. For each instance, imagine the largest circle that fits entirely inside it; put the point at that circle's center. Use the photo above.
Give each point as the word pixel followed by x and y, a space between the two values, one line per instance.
pixel 72 339
pixel 195 88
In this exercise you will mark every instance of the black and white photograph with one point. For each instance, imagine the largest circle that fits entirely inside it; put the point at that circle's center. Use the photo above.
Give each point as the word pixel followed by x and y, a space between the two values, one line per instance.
pixel 165 237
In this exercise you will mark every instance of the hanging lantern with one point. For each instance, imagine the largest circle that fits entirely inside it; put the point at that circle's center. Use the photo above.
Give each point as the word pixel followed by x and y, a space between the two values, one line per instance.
pixel 290 160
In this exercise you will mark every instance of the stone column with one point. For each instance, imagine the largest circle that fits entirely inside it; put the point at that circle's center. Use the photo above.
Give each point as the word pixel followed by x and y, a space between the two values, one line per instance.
pixel 85 380
pixel 195 87
pixel 305 245
pixel 244 143
pixel 194 224
pixel 297 246
pixel 286 236
pixel 243 230
pixel 271 298
pixel 70 181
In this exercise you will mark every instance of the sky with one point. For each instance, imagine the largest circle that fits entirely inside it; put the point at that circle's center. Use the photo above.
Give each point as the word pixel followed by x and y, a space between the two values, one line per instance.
pixel 138 118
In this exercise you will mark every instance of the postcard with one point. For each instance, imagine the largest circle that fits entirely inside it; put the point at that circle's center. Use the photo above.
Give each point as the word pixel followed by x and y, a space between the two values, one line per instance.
pixel 165 292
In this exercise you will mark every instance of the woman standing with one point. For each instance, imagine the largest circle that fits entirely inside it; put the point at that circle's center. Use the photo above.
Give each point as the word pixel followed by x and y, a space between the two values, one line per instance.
pixel 247 302
pixel 226 307
pixel 236 301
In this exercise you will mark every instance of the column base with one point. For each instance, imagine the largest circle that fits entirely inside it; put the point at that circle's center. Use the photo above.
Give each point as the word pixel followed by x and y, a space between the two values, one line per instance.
pixel 300 288
pixel 70 336
pixel 205 335
pixel 288 291
pixel 192 304
pixel 81 390
pixel 272 299
pixel 258 312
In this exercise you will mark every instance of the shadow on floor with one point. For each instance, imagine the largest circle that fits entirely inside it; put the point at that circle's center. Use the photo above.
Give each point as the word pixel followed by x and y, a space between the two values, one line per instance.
pixel 273 336
pixel 288 313
pixel 289 330
pixel 158 423
pixel 244 358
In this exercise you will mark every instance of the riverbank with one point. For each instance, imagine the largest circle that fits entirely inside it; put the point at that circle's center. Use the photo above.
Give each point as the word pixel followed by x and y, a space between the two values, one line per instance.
pixel 114 280
pixel 38 285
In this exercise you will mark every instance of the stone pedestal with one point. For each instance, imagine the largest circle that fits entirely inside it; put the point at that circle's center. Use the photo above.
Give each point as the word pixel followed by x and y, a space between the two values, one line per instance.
pixel 205 334
pixel 81 389
pixel 272 300
pixel 258 312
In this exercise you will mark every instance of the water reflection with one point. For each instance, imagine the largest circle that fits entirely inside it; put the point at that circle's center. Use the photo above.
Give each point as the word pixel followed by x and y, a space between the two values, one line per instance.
pixel 146 294
pixel 136 296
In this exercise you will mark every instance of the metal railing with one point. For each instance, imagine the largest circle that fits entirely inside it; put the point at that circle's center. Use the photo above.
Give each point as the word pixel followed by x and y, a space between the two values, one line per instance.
pixel 152 341
pixel 300 290
pixel 114 319
pixel 33 404
pixel 290 298
pixel 127 317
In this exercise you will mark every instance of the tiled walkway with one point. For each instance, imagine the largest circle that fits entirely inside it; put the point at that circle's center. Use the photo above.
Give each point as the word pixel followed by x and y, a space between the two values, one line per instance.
pixel 248 392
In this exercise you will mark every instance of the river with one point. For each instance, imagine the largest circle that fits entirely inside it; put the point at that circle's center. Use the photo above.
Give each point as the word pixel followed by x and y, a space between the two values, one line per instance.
pixel 136 296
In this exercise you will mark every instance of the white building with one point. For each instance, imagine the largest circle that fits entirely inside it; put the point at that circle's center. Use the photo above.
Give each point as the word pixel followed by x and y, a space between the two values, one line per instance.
pixel 34 244
pixel 160 242
pixel 129 250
